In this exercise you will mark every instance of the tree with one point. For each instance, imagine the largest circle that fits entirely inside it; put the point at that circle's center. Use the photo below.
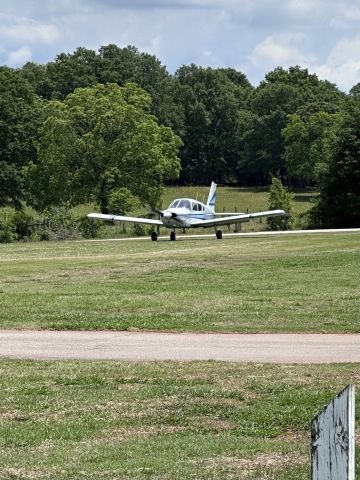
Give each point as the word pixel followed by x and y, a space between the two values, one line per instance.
pixel 306 149
pixel 279 198
pixel 282 93
pixel 20 113
pixel 98 140
pixel 111 64
pixel 339 202
pixel 211 100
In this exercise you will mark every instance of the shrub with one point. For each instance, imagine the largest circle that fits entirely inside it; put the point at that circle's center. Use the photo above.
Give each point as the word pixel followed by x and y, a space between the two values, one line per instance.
pixel 7 227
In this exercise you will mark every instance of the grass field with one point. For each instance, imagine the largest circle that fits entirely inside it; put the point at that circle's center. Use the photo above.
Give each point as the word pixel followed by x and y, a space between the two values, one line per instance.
pixel 307 283
pixel 162 420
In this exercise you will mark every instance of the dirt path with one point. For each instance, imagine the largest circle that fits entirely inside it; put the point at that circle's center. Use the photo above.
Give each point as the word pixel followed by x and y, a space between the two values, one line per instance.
pixel 141 346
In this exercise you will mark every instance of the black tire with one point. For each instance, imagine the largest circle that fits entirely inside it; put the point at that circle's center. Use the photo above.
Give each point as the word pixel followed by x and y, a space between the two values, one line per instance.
pixel 154 236
pixel 219 234
pixel 173 236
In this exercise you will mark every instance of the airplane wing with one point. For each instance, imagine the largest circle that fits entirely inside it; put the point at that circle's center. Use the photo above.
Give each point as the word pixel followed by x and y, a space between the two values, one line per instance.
pixel 239 218
pixel 121 218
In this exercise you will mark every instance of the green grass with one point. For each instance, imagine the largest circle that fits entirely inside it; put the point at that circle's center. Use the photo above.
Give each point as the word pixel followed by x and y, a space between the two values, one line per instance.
pixel 162 420
pixel 307 283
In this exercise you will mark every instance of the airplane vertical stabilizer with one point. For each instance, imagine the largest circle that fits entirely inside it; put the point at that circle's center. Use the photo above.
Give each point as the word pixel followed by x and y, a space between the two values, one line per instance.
pixel 211 198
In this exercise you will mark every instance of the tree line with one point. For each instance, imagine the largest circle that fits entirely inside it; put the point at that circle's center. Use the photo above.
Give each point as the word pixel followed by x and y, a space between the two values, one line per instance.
pixel 114 125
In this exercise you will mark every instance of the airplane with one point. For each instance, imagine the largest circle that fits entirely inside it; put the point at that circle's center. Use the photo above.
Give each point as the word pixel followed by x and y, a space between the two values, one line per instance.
pixel 190 213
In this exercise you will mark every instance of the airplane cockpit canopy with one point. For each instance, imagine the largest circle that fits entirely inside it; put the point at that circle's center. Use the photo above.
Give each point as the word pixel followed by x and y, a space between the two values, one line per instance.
pixel 184 203
pixel 187 203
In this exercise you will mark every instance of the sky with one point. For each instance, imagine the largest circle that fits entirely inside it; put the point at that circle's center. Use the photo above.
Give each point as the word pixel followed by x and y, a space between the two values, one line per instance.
pixel 252 36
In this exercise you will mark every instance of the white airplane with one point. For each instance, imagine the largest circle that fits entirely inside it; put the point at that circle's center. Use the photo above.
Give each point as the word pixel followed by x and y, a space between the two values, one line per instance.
pixel 190 213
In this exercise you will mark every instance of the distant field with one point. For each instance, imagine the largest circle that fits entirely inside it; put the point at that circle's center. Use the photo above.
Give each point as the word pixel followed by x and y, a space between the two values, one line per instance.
pixel 307 283
pixel 162 420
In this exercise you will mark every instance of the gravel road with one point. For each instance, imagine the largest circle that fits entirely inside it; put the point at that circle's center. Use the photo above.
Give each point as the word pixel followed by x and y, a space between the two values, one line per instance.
pixel 144 346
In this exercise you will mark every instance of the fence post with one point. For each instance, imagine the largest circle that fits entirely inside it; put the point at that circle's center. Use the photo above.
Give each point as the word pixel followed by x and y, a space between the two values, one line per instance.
pixel 333 439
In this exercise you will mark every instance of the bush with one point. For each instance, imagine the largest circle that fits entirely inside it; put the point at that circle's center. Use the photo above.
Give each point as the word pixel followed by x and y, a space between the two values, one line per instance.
pixel 23 224
pixel 7 227
pixel 88 228
pixel 139 230
pixel 61 224
pixel 279 198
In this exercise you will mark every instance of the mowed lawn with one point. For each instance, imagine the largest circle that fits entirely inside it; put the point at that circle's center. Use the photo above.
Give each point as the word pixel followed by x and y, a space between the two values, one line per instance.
pixel 162 420
pixel 297 283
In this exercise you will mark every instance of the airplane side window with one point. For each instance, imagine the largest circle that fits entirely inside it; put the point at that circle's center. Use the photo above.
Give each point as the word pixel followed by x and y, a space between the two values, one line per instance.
pixel 195 207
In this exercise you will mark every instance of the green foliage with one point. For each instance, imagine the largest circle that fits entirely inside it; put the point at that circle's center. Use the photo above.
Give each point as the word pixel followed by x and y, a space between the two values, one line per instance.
pixel 100 139
pixel 279 198
pixel 59 224
pixel 122 201
pixel 282 93
pixel 93 139
pixel 339 202
pixel 88 228
pixel 307 145
pixel 211 100
pixel 19 120
pixel 139 230
pixel 23 224
pixel 7 227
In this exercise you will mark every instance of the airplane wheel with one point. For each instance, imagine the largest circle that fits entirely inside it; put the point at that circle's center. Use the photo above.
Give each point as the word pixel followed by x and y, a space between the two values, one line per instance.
pixel 154 236
pixel 172 236
pixel 219 234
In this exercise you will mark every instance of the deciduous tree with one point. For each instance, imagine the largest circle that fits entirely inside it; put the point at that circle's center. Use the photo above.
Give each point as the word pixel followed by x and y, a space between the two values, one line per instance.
pixel 100 139
pixel 339 201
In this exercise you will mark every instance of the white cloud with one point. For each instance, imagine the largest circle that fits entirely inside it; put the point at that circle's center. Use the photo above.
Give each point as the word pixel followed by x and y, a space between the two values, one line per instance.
pixel 26 30
pixel 280 50
pixel 343 63
pixel 19 57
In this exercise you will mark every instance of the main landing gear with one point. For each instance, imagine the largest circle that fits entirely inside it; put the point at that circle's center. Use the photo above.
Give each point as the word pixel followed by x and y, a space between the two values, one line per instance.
pixel 154 236
pixel 219 234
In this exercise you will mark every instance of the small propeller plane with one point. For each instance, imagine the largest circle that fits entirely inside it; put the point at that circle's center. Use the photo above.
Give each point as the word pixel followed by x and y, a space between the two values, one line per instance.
pixel 190 213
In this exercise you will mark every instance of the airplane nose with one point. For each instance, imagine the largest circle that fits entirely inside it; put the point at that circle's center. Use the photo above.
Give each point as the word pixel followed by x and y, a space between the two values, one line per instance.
pixel 167 214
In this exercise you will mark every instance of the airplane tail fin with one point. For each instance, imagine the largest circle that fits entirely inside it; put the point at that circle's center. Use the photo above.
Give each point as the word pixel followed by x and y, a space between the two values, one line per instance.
pixel 211 198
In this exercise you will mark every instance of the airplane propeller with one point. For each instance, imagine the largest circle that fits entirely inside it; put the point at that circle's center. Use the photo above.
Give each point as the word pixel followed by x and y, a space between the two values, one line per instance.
pixel 164 213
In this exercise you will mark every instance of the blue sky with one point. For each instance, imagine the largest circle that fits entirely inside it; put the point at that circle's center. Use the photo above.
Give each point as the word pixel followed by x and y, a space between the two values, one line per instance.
pixel 253 36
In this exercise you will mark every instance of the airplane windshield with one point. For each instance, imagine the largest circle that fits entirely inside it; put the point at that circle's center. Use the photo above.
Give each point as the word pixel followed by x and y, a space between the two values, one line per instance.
pixel 184 204
pixel 174 204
